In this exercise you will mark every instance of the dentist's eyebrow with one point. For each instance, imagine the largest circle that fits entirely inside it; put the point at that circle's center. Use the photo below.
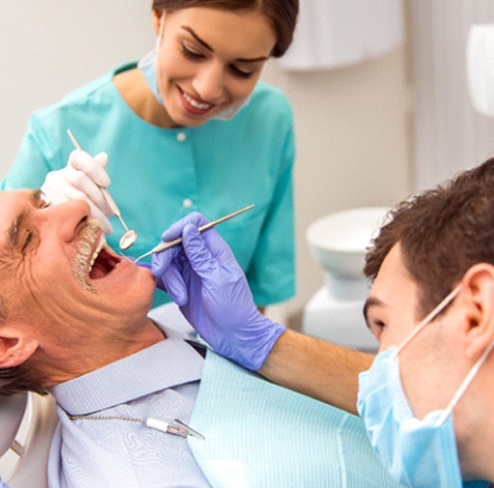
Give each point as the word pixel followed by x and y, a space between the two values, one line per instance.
pixel 13 230
pixel 207 46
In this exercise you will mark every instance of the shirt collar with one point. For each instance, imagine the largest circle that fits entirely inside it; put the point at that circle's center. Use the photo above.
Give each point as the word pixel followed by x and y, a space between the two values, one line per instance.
pixel 166 364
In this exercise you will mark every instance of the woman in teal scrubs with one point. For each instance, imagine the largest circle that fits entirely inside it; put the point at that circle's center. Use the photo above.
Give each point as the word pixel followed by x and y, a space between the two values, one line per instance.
pixel 189 127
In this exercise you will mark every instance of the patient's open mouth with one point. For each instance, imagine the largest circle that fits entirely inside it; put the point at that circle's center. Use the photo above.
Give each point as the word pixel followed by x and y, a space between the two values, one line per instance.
pixel 93 259
pixel 102 262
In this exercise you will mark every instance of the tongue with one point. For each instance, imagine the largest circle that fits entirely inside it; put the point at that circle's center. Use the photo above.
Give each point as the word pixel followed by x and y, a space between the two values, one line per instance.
pixel 98 271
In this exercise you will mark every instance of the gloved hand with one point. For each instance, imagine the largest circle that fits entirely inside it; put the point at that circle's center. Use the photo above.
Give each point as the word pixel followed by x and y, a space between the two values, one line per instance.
pixel 81 179
pixel 205 280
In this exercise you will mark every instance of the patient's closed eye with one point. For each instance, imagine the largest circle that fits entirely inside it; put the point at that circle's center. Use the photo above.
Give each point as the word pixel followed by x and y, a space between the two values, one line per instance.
pixel 27 240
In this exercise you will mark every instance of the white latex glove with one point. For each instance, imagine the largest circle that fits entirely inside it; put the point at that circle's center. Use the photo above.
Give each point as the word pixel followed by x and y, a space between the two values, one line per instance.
pixel 81 179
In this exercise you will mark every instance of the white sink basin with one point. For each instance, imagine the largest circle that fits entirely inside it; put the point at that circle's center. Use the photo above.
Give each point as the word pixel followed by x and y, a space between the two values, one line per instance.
pixel 338 241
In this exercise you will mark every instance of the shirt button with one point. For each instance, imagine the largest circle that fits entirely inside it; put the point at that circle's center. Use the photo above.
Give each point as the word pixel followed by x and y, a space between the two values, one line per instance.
pixel 187 203
pixel 181 136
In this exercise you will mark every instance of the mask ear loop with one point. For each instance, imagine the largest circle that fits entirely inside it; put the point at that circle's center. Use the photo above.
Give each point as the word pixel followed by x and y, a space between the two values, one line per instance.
pixel 466 383
pixel 156 51
pixel 160 32
pixel 431 316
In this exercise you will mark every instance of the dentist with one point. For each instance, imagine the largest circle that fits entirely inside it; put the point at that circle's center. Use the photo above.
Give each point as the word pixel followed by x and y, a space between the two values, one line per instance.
pixel 426 398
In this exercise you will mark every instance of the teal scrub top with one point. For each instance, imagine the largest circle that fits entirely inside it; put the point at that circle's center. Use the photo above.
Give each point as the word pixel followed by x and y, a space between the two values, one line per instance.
pixel 159 175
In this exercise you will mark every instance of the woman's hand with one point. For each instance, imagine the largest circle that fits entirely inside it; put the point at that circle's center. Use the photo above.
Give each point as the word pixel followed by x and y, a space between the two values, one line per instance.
pixel 82 178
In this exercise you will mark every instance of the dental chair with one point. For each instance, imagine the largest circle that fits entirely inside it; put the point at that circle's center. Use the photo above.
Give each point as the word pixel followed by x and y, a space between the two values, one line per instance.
pixel 36 415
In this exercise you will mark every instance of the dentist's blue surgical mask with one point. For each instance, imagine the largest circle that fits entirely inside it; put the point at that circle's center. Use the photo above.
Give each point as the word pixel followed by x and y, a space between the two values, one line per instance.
pixel 147 65
pixel 417 453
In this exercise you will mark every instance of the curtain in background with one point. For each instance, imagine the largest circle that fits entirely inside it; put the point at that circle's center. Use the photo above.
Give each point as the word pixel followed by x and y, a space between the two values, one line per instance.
pixel 448 134
pixel 335 33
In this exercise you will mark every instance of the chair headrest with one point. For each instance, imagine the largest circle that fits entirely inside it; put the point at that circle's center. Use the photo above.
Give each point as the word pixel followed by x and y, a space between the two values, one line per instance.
pixel 12 410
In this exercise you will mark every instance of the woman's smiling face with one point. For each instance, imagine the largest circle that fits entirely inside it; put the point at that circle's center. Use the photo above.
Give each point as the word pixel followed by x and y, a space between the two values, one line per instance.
pixel 209 60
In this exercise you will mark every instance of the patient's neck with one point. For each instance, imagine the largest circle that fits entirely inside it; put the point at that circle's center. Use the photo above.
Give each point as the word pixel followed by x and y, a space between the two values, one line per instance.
pixel 62 365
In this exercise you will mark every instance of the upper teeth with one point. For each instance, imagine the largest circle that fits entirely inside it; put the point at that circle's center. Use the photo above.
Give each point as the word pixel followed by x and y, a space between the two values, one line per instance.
pixel 96 252
pixel 195 103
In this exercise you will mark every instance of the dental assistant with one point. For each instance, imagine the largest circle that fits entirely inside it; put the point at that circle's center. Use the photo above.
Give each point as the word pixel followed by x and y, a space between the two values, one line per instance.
pixel 426 399
pixel 189 127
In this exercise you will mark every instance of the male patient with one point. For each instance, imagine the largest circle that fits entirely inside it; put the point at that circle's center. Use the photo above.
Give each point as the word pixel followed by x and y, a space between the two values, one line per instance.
pixel 73 322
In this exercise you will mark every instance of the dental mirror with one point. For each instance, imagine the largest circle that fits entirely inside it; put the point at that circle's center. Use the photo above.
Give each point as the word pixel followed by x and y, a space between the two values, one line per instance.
pixel 128 239
pixel 130 236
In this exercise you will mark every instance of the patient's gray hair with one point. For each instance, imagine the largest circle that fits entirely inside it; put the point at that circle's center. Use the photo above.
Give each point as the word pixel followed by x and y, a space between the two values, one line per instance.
pixel 20 378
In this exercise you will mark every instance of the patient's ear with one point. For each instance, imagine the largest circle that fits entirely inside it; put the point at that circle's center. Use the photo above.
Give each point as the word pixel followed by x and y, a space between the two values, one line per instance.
pixel 478 296
pixel 15 347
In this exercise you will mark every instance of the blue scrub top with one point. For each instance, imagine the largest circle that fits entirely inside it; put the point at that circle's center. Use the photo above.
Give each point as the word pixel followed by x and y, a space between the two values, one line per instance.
pixel 160 175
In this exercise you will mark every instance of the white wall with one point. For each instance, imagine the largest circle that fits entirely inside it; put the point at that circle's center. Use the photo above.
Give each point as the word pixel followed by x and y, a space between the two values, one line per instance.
pixel 351 123
pixel 49 47
pixel 352 139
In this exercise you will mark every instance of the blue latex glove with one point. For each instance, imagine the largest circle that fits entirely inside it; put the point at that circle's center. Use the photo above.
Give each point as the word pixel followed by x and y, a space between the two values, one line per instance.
pixel 204 279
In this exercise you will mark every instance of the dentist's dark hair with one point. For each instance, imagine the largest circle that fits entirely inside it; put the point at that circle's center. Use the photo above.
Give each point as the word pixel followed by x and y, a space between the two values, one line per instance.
pixel 442 233
pixel 282 14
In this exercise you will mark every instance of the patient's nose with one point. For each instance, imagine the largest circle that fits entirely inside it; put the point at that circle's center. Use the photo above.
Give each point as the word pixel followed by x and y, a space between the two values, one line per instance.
pixel 65 217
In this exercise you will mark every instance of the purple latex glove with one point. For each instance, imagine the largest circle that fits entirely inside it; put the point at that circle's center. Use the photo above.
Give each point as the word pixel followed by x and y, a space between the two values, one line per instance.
pixel 204 279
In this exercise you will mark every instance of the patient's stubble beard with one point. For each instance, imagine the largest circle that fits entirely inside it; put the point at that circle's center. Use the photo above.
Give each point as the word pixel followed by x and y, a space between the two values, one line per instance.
pixel 86 239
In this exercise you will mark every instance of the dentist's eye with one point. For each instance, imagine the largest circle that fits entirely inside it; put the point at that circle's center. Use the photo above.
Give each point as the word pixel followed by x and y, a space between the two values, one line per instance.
pixel 240 73
pixel 377 327
pixel 190 54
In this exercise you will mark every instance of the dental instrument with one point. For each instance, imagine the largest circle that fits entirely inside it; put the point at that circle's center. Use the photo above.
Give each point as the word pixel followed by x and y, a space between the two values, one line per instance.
pixel 166 245
pixel 175 427
pixel 130 236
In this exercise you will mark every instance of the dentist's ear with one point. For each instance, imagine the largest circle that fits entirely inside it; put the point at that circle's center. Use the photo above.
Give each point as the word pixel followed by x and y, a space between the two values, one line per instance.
pixel 158 20
pixel 15 347
pixel 478 293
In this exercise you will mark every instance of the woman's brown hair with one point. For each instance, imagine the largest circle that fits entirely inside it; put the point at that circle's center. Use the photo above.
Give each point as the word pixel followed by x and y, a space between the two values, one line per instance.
pixel 282 14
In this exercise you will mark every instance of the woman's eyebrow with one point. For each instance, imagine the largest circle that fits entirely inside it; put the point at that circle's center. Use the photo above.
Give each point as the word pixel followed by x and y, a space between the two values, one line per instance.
pixel 196 37
pixel 207 46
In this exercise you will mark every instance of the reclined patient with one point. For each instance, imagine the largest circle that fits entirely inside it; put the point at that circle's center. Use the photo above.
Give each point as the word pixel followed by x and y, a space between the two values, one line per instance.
pixel 73 322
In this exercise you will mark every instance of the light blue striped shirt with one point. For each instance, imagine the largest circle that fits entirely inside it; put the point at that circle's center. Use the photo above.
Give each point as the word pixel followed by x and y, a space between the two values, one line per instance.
pixel 158 382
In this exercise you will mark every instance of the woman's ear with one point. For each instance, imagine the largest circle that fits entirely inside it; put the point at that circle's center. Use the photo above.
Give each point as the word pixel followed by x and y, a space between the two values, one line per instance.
pixel 156 18
pixel 15 347
pixel 478 296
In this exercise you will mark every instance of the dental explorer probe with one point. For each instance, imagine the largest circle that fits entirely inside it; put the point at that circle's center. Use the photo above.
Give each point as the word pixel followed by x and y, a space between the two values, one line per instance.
pixel 130 236
pixel 166 245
